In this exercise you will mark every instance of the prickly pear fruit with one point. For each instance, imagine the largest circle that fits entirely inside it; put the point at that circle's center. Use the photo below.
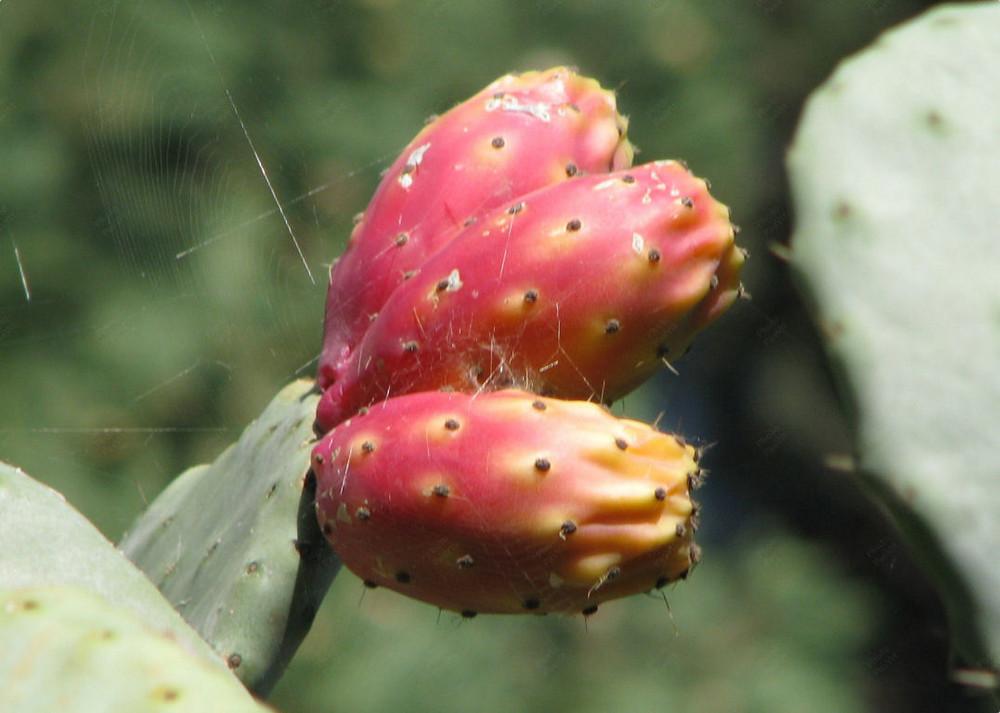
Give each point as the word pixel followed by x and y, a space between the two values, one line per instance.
pixel 506 502
pixel 577 290
pixel 520 133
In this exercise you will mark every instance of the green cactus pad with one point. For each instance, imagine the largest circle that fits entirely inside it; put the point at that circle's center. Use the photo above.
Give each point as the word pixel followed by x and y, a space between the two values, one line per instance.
pixel 895 172
pixel 44 541
pixel 235 545
pixel 68 648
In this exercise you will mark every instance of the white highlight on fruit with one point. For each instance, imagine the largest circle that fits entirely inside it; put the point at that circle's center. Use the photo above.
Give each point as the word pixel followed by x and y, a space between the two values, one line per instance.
pixel 509 103
pixel 412 161
pixel 454 281
pixel 638 243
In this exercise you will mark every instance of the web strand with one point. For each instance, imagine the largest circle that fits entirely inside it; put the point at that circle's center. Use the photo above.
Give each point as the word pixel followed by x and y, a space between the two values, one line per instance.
pixel 20 268
pixel 253 149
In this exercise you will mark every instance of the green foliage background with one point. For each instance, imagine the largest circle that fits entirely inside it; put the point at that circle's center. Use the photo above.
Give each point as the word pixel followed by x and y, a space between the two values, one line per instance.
pixel 153 300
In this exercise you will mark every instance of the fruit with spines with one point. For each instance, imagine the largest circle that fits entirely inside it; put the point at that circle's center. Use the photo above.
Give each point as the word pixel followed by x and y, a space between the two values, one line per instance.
pixel 520 133
pixel 576 290
pixel 506 502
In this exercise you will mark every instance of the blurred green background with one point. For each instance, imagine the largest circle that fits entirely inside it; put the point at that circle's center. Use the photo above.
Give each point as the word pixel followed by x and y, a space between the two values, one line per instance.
pixel 154 300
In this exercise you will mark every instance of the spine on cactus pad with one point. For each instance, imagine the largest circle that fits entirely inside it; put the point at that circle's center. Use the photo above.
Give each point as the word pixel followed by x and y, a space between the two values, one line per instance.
pixel 518 134
pixel 578 290
pixel 506 502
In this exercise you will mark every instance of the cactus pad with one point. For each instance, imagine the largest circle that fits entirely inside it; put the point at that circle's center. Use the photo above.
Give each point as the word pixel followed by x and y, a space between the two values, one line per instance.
pixel 895 171
pixel 44 542
pixel 68 648
pixel 229 546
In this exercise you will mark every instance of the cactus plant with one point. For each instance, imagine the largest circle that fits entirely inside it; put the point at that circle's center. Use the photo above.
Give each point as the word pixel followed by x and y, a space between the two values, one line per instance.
pixel 505 231
pixel 519 133
pixel 68 648
pixel 577 290
pixel 895 168
pixel 506 502
pixel 235 546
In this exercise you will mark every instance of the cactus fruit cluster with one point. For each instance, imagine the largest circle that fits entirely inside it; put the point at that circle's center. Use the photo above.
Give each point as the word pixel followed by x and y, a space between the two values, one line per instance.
pixel 511 268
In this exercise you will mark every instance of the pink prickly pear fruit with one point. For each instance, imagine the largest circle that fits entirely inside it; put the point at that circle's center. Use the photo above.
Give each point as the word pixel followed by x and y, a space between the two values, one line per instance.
pixel 506 502
pixel 578 290
pixel 520 133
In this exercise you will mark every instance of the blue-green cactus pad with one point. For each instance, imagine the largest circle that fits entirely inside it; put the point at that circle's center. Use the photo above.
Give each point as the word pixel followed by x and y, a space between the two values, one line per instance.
pixel 44 541
pixel 65 648
pixel 895 172
pixel 235 545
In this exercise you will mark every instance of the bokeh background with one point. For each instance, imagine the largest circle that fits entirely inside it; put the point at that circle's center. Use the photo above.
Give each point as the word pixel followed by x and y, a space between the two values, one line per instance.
pixel 153 299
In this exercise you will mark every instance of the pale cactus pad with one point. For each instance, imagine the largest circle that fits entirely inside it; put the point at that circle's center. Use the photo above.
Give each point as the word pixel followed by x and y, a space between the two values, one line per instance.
pixel 506 502
pixel 578 290
pixel 519 133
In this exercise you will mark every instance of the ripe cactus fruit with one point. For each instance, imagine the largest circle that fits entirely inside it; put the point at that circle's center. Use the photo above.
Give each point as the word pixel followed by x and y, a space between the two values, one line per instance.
pixel 520 133
pixel 506 502
pixel 577 290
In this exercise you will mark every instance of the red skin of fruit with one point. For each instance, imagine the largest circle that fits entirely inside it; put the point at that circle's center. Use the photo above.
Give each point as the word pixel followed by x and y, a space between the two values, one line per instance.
pixel 506 502
pixel 577 290
pixel 520 133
